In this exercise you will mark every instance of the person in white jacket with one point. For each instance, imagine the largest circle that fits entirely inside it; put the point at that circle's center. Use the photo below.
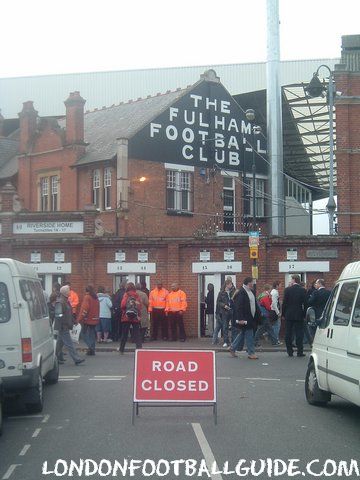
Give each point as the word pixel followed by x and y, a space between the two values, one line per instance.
pixel 275 309
pixel 104 326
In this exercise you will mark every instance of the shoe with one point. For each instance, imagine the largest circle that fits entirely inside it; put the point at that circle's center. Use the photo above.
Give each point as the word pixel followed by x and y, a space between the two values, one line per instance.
pixel 257 345
pixel 225 345
pixel 232 353
pixel 108 340
pixel 61 362
pixel 301 355
pixel 253 357
pixel 277 344
pixel 80 361
pixel 290 354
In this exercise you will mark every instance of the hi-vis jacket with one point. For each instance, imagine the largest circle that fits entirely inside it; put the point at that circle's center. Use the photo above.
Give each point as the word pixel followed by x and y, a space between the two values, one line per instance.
pixel 176 301
pixel 157 299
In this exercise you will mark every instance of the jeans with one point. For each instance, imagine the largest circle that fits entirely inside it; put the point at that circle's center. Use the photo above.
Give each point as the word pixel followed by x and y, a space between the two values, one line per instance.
pixel 65 339
pixel 222 323
pixel 276 329
pixel 246 334
pixel 89 336
pixel 210 323
pixel 265 327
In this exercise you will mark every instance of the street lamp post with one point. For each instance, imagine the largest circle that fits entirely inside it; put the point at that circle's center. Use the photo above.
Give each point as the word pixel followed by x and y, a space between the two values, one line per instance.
pixel 317 89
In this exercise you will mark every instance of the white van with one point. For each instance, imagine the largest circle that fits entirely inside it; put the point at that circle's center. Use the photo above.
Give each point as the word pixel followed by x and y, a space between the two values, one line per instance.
pixel 27 346
pixel 334 365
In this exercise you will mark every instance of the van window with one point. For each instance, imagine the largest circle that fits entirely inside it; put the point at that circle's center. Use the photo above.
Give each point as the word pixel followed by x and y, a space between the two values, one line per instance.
pixel 5 310
pixel 345 303
pixel 33 294
pixel 355 321
pixel 329 308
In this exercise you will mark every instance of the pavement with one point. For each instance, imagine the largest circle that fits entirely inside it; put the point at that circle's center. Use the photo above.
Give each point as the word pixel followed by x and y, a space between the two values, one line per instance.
pixel 203 343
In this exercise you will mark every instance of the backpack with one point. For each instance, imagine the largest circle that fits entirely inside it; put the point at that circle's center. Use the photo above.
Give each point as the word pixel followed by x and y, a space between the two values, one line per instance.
pixel 131 310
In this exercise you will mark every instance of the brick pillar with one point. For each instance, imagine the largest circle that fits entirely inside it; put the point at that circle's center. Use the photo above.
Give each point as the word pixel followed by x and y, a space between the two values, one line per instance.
pixel 88 264
pixel 6 217
pixel 173 264
pixel 75 118
pixel 90 214
pixel 28 120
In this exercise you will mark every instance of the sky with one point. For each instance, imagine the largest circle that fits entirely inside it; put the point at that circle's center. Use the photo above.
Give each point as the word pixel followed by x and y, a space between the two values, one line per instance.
pixel 45 37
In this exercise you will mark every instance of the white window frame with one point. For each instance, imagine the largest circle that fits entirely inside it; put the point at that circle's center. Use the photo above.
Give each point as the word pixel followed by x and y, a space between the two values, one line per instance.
pixel 179 182
pixel 96 188
pixel 107 188
pixel 54 191
pixel 44 194
pixel 260 199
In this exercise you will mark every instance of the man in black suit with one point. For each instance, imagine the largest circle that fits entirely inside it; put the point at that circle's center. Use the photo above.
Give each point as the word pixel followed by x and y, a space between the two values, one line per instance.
pixel 319 297
pixel 293 309
pixel 318 300
pixel 246 316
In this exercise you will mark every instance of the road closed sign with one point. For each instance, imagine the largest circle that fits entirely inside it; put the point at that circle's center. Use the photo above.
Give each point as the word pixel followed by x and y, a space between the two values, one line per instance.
pixel 175 376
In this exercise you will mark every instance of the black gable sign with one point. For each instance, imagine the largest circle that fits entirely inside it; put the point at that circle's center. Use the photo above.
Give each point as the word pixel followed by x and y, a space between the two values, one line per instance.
pixel 205 127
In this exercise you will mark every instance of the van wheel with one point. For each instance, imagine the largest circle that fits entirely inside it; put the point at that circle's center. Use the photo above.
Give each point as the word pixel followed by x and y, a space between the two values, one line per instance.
pixel 314 395
pixel 52 377
pixel 37 397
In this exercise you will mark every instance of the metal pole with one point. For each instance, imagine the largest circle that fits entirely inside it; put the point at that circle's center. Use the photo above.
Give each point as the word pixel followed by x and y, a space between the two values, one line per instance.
pixel 274 119
pixel 331 205
pixel 253 180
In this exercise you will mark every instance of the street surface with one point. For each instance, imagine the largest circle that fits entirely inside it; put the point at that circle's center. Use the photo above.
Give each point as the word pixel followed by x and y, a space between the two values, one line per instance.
pixel 262 413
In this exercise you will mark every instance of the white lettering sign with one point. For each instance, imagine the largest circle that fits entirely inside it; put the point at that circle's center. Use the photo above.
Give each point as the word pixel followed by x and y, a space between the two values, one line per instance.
pixel 48 227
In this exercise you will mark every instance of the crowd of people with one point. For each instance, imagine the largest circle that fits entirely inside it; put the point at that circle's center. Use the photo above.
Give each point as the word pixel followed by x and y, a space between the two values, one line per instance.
pixel 133 310
pixel 241 317
pixel 237 316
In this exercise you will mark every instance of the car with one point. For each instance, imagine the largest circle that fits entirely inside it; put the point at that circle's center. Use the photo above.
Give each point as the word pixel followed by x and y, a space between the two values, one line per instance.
pixel 27 347
pixel 334 363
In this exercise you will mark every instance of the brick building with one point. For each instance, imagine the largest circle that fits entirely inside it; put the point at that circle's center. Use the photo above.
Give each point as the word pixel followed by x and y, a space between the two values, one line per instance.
pixel 162 188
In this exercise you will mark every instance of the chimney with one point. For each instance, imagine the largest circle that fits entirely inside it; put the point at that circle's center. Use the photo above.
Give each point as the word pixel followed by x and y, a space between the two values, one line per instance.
pixel 2 120
pixel 28 119
pixel 75 118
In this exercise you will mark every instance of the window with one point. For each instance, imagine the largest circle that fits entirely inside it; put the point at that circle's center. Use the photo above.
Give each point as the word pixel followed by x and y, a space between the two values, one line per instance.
pixel 54 192
pixel 107 188
pixel 345 303
pixel 96 188
pixel 49 193
pixel 44 193
pixel 355 321
pixel 329 308
pixel 179 191
pixel 259 197
pixel 5 310
pixel 33 294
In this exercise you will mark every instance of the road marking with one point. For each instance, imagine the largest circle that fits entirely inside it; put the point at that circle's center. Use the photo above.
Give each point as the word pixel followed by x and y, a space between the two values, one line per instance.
pixel 36 433
pixel 69 376
pixel 24 450
pixel 302 381
pixel 206 450
pixel 10 471
pixel 116 379
pixel 223 378
pixel 66 379
pixel 109 376
pixel 265 379
pixel 46 418
pixel 21 417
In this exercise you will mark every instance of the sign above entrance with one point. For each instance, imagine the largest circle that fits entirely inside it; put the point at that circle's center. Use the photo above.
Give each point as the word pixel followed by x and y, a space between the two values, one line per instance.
pixel 143 256
pixel 229 255
pixel 52 267
pixel 205 256
pixel 295 267
pixel 217 267
pixel 291 254
pixel 48 227
pixel 125 267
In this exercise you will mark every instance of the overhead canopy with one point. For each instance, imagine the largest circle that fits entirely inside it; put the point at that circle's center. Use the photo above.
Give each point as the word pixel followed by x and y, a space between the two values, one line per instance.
pixel 305 134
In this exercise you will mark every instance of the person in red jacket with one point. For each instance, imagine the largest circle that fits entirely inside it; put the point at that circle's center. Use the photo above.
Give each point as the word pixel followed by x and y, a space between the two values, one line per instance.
pixel 265 301
pixel 131 316
pixel 89 318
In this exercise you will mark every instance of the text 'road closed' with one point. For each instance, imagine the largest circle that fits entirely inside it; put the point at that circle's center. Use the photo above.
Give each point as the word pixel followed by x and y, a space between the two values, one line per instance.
pixel 174 376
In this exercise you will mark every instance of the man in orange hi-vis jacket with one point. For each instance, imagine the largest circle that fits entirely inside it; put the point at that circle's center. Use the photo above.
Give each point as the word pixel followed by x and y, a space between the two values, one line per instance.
pixel 157 304
pixel 176 305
